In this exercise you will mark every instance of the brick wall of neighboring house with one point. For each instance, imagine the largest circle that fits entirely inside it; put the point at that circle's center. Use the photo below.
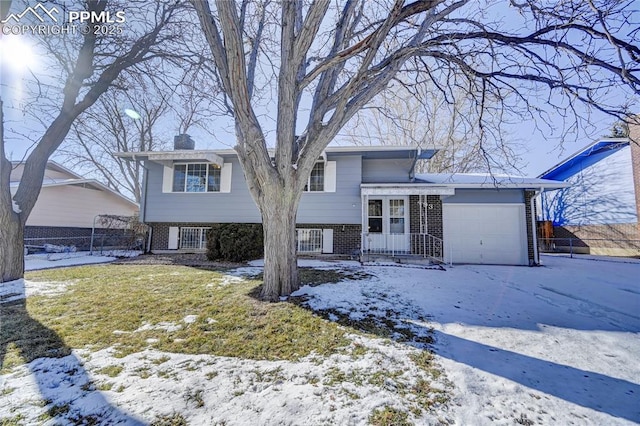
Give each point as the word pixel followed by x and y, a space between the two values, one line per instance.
pixel 58 235
pixel 531 231
pixel 346 238
pixel 78 237
pixel 618 239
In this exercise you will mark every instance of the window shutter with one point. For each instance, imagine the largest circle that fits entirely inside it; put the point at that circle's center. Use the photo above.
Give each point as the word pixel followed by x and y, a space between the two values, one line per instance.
pixel 327 241
pixel 330 176
pixel 174 233
pixel 225 178
pixel 167 179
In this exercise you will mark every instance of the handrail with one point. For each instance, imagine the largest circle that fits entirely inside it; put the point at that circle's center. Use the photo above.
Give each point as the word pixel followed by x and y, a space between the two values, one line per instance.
pixel 417 244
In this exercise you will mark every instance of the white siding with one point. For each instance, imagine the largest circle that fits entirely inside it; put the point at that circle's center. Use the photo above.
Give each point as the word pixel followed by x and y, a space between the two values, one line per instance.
pixel 601 193
pixel 75 206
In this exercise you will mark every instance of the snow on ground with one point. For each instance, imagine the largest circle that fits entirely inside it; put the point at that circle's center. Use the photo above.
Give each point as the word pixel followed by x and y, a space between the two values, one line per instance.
pixel 558 344
pixel 34 262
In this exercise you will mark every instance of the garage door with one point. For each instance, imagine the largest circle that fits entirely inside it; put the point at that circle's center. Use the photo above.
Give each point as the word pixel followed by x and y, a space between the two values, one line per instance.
pixel 485 233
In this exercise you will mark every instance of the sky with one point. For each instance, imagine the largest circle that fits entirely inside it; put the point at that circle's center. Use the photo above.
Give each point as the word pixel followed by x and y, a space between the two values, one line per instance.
pixel 538 148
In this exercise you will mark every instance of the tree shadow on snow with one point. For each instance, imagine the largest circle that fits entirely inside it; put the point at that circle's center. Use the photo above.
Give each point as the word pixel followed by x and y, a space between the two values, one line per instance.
pixel 389 315
pixel 64 385
pixel 599 392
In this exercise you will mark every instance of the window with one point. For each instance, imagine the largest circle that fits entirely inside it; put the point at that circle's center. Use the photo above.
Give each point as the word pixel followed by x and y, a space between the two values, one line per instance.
pixel 196 177
pixel 375 216
pixel 316 179
pixel 309 240
pixel 396 216
pixel 193 238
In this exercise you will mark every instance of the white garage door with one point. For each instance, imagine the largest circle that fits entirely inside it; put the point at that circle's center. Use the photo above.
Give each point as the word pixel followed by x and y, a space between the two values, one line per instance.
pixel 485 233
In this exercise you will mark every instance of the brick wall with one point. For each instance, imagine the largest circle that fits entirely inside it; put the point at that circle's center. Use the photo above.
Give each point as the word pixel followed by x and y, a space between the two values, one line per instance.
pixel 58 235
pixel 434 215
pixel 531 232
pixel 618 239
pixel 346 238
pixel 634 135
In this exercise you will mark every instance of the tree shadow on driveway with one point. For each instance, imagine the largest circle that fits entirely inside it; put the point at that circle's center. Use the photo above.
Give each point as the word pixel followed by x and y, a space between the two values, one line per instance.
pixel 64 385
pixel 617 397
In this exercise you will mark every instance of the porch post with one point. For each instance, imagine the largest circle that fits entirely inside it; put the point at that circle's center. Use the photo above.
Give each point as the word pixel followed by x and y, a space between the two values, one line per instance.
pixel 365 206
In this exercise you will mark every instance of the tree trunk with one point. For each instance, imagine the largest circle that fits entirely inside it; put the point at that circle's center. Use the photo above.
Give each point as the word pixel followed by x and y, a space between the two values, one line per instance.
pixel 11 248
pixel 280 261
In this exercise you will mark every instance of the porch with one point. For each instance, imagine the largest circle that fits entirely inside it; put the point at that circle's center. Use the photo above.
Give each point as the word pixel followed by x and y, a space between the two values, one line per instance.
pixel 403 222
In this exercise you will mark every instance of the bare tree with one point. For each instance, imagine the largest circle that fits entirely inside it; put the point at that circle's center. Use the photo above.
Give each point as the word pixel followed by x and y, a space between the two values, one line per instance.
pixel 336 57
pixel 425 118
pixel 107 128
pixel 88 63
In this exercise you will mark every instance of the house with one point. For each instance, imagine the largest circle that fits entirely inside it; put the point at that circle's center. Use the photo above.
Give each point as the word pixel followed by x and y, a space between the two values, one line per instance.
pixel 358 200
pixel 68 205
pixel 599 212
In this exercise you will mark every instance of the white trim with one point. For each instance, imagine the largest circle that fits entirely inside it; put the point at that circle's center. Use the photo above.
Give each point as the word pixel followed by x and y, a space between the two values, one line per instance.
pixel 403 190
pixel 167 179
pixel 225 178
pixel 186 155
pixel 327 241
pixel 174 235
pixel 186 181
pixel 313 240
pixel 330 176
pixel 376 240
pixel 199 232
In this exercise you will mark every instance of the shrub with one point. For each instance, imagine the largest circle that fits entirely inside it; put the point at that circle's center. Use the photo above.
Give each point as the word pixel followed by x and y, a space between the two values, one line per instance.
pixel 235 242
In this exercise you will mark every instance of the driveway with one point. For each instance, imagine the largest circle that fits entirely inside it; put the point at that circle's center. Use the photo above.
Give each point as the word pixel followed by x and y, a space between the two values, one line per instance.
pixel 558 344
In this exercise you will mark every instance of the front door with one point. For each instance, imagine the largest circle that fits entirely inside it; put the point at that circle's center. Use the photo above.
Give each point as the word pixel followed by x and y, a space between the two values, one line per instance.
pixel 387 225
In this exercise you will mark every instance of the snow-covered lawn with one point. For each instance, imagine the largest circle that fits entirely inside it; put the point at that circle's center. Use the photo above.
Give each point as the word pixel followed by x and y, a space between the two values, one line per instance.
pixel 553 345
pixel 37 261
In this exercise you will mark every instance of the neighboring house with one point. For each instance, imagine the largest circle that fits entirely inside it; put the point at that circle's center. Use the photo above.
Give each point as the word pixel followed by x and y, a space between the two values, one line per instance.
pixel 358 200
pixel 67 206
pixel 600 210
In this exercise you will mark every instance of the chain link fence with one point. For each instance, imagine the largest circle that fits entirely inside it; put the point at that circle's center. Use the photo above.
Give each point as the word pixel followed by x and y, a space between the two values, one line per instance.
pixel 593 246
pixel 109 233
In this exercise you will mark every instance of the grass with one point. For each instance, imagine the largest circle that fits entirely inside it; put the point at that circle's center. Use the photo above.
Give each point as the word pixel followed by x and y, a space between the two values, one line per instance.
pixel 389 416
pixel 123 306
pixel 121 298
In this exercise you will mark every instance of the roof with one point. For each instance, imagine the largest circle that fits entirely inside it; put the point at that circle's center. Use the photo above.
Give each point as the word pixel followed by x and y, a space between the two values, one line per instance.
pixel 584 158
pixel 369 152
pixel 74 180
pixel 488 181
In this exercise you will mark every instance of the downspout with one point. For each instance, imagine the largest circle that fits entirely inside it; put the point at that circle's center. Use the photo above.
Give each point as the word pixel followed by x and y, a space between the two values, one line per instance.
pixel 534 231
pixel 143 210
pixel 412 170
